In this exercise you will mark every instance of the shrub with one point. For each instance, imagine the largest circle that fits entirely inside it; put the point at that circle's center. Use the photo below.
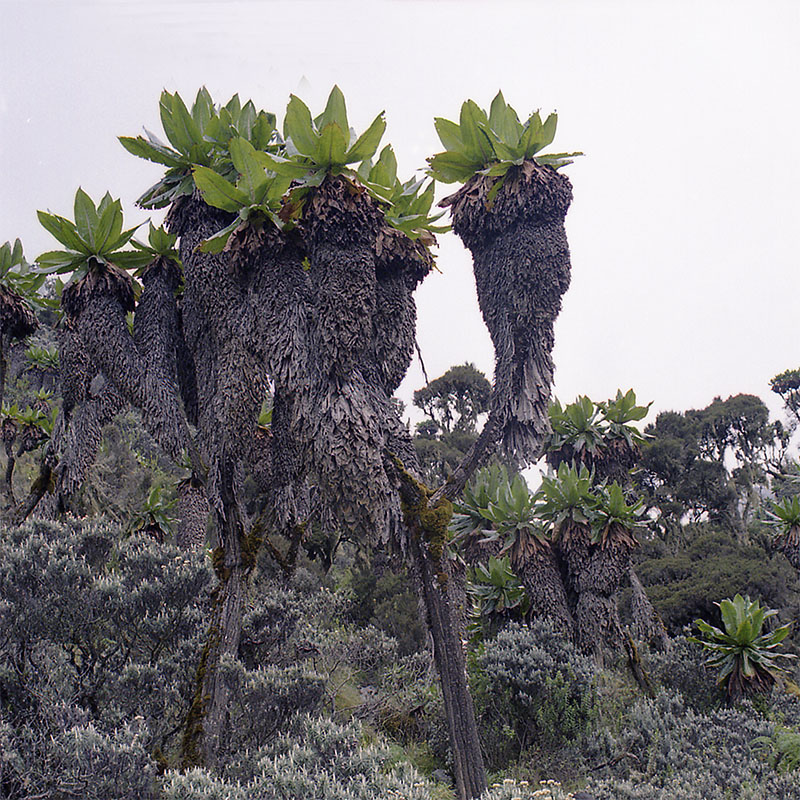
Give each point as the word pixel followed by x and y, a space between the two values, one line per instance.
pixel 683 669
pixel 316 758
pixel 98 647
pixel 533 686
pixel 666 750
pixel 685 585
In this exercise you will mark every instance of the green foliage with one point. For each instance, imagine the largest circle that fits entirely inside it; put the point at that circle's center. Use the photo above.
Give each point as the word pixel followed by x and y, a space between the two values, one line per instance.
pixel 781 750
pixel 578 424
pixel 16 273
pixel 198 137
pixel 787 386
pixel 785 514
pixel 496 591
pixel 255 197
pixel 98 639
pixel 614 516
pixel 39 416
pixel 499 507
pixel 456 399
pixel 453 403
pixel 664 749
pixel 682 668
pixel 745 657
pixel 584 427
pixel 389 603
pixel 683 585
pixel 621 411
pixel 568 497
pixel 155 517
pixel 321 146
pixel 326 144
pixel 534 681
pixel 407 205
pixel 45 358
pixel 95 239
pixel 493 144
pixel 160 244
pixel 784 518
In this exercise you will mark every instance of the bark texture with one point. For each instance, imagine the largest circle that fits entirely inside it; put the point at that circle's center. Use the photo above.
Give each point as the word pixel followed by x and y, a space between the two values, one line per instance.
pixel 522 268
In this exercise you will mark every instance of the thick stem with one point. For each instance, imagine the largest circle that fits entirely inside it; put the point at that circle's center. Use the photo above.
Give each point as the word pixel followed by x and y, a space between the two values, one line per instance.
pixel 205 727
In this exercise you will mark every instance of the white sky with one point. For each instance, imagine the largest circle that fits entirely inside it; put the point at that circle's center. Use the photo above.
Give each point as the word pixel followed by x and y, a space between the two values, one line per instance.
pixel 684 229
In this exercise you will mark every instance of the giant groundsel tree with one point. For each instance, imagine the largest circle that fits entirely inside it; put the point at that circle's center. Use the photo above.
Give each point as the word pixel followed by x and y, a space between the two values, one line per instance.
pixel 287 272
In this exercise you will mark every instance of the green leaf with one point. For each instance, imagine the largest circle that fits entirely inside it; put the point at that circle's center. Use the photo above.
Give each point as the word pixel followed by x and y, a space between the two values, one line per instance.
pixel 385 170
pixel 476 142
pixel 286 167
pixel 63 230
pixel 244 158
pixel 16 253
pixel 530 141
pixel 202 108
pixel 60 261
pixel 85 217
pixel 109 225
pixel 335 113
pixel 332 146
pixel 549 130
pixel 262 131
pixel 298 127
pixel 449 134
pixel 179 126
pixel 217 191
pixel 131 259
pixel 150 151
pixel 503 120
pixel 451 167
pixel 368 142
pixel 217 242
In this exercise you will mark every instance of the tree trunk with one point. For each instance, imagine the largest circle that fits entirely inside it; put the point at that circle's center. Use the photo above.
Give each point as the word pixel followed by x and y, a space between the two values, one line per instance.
pixel 540 575
pixel 647 624
pixel 427 534
pixel 233 560
pixel 522 267
pixel 192 512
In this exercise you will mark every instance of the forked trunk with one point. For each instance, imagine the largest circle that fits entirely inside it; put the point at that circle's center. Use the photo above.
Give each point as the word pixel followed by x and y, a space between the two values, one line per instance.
pixel 229 385
pixel 541 576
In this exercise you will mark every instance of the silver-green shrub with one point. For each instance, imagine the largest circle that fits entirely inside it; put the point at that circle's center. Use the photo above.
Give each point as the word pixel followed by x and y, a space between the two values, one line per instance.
pixel 534 681
pixel 668 751
pixel 317 758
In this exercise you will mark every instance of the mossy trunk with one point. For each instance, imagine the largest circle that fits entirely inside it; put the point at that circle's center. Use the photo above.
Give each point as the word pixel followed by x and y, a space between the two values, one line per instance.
pixel 431 573
pixel 205 727
pixel 227 384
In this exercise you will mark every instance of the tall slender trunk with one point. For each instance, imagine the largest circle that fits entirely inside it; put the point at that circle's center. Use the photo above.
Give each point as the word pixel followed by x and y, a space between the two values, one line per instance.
pixel 427 529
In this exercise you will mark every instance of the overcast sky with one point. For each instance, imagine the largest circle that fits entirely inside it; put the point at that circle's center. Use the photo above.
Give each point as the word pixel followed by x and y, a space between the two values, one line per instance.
pixel 684 230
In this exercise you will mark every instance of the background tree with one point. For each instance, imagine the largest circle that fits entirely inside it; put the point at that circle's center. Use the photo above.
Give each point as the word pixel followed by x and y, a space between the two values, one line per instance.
pixel 453 404
pixel 712 463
